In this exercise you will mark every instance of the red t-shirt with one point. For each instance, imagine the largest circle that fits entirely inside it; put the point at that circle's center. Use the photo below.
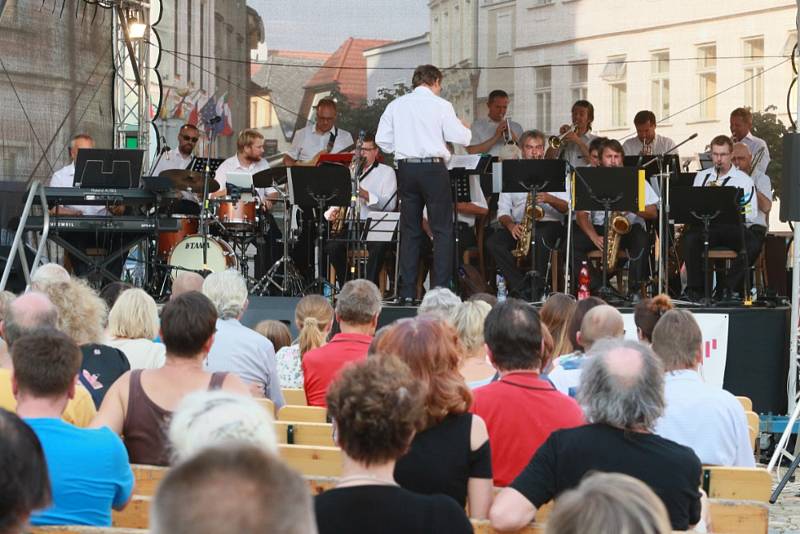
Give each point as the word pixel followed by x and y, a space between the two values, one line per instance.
pixel 521 410
pixel 322 365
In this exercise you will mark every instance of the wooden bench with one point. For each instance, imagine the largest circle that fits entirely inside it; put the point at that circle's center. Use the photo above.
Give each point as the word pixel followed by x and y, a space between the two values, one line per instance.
pixel 147 478
pixel 753 425
pixel 294 396
pixel 737 483
pixel 319 485
pixel 267 404
pixel 314 461
pixel 747 404
pixel 302 433
pixel 79 529
pixel 135 515
pixel 308 414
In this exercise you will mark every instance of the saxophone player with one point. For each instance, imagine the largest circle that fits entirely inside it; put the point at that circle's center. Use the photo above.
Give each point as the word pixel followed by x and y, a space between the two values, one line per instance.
pixel 511 214
pixel 647 142
pixel 591 230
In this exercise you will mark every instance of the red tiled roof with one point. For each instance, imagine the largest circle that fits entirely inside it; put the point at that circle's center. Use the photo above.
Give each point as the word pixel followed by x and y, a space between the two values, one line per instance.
pixel 347 67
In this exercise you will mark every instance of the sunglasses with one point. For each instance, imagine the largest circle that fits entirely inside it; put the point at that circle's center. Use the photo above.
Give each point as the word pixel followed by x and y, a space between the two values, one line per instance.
pixel 192 139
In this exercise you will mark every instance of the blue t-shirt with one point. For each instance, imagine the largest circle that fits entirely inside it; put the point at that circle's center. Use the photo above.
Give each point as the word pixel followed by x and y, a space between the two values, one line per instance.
pixel 89 473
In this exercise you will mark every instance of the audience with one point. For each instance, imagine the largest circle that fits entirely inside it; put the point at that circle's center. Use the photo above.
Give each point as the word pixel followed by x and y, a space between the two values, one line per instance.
pixel 439 302
pixel 313 316
pixel 521 399
pixel 488 298
pixel 556 314
pixel 623 395
pixel 646 314
pixel 468 320
pixel 609 503
pixel 236 488
pixel 186 281
pixel 26 314
pixel 132 326
pixel 703 417
pixel 357 309
pixel 88 468
pixel 24 484
pixel 49 273
pixel 138 406
pixel 278 334
pixel 376 406
pixel 600 322
pixel 238 349
pixel 451 453
pixel 582 307
pixel 219 418
pixel 111 292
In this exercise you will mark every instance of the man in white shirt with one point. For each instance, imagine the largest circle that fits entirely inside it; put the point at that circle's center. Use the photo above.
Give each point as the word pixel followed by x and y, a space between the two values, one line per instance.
pixel 490 134
pixel 741 123
pixel 723 173
pixel 415 128
pixel 510 215
pixel 698 415
pixel 181 158
pixel 377 191
pixel 647 142
pixel 577 136
pixel 591 229
pixel 320 138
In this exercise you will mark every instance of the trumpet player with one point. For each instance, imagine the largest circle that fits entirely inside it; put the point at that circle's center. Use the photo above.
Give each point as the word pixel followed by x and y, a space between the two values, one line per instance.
pixel 491 133
pixel 575 138
pixel 647 142
pixel 591 230
pixel 511 214
pixel 741 125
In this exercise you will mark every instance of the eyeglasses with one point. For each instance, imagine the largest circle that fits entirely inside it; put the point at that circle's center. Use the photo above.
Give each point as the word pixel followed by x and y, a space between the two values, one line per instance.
pixel 187 138
pixel 368 149
pixel 323 118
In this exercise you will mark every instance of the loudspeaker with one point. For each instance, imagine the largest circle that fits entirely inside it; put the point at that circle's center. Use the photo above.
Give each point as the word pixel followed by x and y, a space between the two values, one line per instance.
pixel 16 280
pixel 790 183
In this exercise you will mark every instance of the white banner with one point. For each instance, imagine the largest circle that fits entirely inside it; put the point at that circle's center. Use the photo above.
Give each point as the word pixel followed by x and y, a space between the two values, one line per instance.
pixel 714 327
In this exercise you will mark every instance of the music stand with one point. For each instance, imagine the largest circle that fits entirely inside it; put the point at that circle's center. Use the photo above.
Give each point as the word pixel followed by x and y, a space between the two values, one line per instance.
pixel 609 189
pixel 100 168
pixel 719 205
pixel 319 187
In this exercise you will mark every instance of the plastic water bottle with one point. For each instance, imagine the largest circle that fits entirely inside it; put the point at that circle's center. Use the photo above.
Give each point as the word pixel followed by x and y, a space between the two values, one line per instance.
pixel 583 282
pixel 502 293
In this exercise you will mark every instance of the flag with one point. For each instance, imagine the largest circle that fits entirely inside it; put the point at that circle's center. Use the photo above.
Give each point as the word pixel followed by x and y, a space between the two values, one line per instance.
pixel 207 113
pixel 227 130
pixel 193 115
pixel 163 114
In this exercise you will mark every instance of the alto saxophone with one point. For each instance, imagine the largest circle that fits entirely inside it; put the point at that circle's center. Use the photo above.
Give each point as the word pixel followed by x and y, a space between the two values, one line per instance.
pixel 356 169
pixel 619 226
pixel 533 212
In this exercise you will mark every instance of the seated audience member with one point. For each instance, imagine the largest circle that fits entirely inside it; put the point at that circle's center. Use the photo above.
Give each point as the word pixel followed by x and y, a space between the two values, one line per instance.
pixel 451 453
pixel 439 302
pixel 609 503
pixel 88 468
pixel 313 316
pixel 185 282
pixel 112 291
pixel 600 322
pixel 582 307
pixel 277 332
pixel 82 315
pixel 25 314
pixel 375 406
pixel 49 273
pixel 219 418
pixel 468 321
pixel 238 349
pixel 488 298
pixel 236 488
pixel 513 336
pixel 703 417
pixel 24 484
pixel 556 314
pixel 646 314
pixel 357 309
pixel 622 393
pixel 5 356
pixel 138 406
pixel 132 327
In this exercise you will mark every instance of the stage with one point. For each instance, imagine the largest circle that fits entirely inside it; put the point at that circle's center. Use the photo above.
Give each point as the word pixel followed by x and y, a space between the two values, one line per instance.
pixel 750 359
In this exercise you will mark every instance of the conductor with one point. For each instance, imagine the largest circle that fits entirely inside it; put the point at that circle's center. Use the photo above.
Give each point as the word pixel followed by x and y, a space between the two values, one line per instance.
pixel 415 128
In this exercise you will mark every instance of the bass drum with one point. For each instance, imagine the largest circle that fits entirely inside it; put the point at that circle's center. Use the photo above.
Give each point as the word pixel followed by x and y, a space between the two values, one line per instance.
pixel 188 254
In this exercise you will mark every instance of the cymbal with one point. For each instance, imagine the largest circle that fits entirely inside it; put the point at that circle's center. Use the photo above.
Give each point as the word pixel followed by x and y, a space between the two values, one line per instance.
pixel 267 177
pixel 185 179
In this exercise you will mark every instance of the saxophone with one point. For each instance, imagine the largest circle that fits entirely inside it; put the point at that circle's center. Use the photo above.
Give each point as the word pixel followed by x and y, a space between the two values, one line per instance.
pixel 533 212
pixel 356 168
pixel 619 226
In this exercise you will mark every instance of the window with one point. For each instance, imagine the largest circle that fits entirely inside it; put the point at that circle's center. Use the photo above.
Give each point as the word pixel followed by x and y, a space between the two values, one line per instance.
pixel 579 82
pixel 707 80
pixel 543 81
pixel 754 73
pixel 659 84
pixel 615 73
pixel 503 36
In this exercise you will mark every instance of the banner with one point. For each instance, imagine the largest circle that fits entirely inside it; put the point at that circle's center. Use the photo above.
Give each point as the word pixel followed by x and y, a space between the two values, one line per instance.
pixel 714 327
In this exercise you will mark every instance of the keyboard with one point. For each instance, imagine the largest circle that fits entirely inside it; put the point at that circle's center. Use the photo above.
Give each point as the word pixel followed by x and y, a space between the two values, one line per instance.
pixel 104 223
pixel 78 196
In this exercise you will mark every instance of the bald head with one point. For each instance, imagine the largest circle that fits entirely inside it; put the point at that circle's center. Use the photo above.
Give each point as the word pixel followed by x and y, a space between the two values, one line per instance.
pixel 600 322
pixel 27 313
pixel 742 157
pixel 185 282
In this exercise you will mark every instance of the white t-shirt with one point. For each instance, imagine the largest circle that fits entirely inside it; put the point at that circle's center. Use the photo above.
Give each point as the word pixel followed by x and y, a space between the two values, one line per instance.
pixel 307 142
pixel 733 178
pixel 571 153
pixel 764 186
pixel 484 128
pixel 633 146
pixel 232 164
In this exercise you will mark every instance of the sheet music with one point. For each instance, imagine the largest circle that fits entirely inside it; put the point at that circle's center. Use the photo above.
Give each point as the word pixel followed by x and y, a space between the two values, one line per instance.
pixel 465 161
pixel 382 225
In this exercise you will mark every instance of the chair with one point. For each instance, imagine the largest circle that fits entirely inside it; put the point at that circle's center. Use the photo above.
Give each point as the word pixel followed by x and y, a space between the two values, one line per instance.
pixel 361 255
pixel 307 414
pixel 597 256
pixel 147 478
pixel 477 252
pixel 294 396
pixel 313 460
pixel 135 515
pixel 303 433
pixel 267 404
pixel 739 483
pixel 79 529
pixel 747 404
pixel 753 424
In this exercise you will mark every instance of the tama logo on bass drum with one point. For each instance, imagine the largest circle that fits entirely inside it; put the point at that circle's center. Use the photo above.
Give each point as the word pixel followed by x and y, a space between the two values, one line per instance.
pixel 195 245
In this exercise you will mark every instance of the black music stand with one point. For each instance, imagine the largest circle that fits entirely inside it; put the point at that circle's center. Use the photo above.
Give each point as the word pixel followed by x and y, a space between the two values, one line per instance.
pixel 609 189
pixel 319 187
pixel 99 168
pixel 533 176
pixel 719 205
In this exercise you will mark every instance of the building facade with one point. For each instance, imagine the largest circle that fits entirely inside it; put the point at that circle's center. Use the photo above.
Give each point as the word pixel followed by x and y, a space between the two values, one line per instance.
pixel 384 63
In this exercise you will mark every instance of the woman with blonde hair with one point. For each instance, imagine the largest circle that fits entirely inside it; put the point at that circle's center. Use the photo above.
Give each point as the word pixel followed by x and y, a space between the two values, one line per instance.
pixel 132 326
pixel 450 454
pixel 468 320
pixel 556 314
pixel 277 332
pixel 314 319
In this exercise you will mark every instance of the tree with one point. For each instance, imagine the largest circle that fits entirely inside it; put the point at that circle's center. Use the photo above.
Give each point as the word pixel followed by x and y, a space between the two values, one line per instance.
pixel 771 129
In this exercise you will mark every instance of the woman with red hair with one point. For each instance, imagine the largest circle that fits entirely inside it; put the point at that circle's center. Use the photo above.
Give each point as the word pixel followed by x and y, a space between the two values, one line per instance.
pixel 450 452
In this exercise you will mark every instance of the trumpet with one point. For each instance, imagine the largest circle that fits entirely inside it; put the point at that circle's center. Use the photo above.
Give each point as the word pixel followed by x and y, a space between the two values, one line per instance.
pixel 555 141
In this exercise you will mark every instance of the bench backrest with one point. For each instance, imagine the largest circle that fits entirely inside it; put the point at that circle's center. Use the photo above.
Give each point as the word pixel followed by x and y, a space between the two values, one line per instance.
pixel 135 515
pixel 313 460
pixel 302 433
pixel 294 396
pixel 309 414
pixel 739 483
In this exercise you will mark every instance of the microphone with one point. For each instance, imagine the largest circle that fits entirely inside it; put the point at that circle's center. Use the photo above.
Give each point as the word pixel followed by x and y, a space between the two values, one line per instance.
pixel 164 146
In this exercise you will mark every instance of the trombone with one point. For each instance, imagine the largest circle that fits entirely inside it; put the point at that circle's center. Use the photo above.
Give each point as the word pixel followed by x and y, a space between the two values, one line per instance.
pixel 555 141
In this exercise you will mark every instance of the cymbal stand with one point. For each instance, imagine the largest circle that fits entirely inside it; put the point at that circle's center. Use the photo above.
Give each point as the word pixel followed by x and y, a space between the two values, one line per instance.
pixel 291 280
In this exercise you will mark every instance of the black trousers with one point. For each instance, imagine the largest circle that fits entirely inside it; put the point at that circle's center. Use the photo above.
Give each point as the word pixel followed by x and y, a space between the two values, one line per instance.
pixel 425 185
pixel 721 235
pixel 337 254
pixel 636 243
pixel 549 235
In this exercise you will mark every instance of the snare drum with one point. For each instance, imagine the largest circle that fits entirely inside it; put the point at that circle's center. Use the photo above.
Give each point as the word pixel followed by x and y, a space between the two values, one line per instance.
pixel 187 225
pixel 188 254
pixel 239 215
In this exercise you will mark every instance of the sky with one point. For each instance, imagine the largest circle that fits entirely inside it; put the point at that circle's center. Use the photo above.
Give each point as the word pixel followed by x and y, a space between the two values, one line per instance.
pixel 322 25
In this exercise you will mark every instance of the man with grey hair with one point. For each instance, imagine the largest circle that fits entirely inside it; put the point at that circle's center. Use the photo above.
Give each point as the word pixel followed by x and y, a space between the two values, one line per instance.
pixel 600 322
pixel 185 282
pixel 703 417
pixel 357 309
pixel 439 302
pixel 623 395
pixel 238 349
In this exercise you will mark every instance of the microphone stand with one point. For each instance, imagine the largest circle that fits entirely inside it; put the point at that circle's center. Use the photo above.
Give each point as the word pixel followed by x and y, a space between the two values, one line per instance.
pixel 204 207
pixel 164 150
